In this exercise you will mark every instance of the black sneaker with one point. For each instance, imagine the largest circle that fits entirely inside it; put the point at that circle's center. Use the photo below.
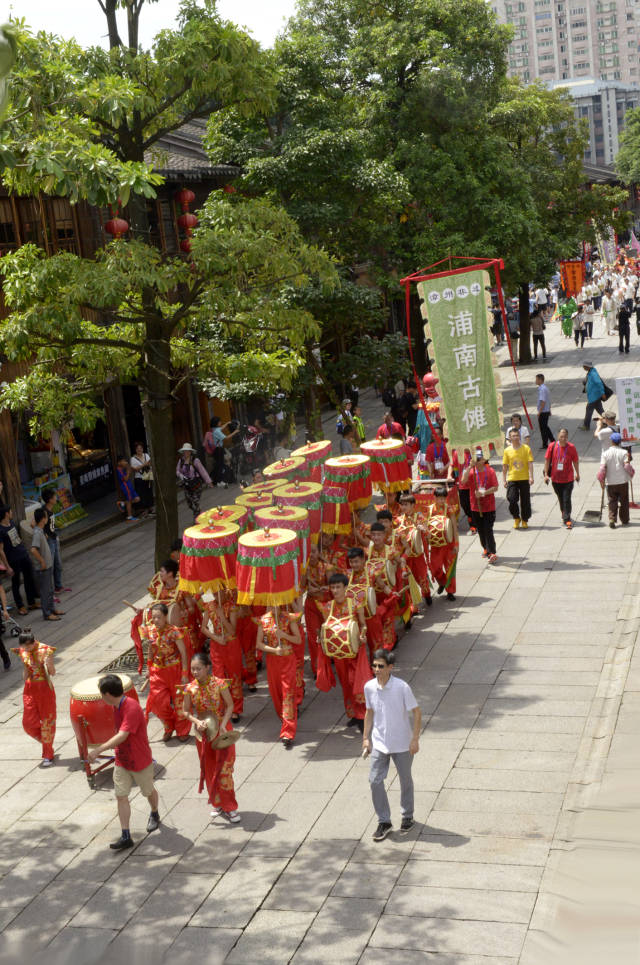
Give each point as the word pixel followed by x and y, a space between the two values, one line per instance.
pixel 407 824
pixel 153 823
pixel 121 844
pixel 381 832
pixel 451 596
pixel 360 725
pixel 287 742
pixel 428 600
pixel 352 722
pixel 440 589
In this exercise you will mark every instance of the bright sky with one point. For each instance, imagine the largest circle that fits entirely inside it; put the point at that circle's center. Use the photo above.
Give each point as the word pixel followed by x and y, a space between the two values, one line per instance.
pixel 84 20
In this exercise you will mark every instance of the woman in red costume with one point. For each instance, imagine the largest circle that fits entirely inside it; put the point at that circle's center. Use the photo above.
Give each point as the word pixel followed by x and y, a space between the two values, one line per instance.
pixel 315 584
pixel 168 672
pixel 209 696
pixel 219 625
pixel 278 632
pixel 38 697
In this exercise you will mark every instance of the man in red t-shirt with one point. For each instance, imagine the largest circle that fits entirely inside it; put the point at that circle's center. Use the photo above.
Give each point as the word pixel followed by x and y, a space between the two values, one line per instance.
pixel 134 763
pixel 561 466
pixel 389 428
pixel 483 486
pixel 437 457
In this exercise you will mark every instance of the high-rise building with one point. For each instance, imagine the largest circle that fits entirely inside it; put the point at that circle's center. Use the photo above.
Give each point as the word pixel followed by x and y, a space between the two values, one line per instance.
pixel 562 39
pixel 603 105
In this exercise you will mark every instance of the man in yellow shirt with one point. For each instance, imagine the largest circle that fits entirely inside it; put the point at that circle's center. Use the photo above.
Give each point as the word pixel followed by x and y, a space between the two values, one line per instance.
pixel 517 476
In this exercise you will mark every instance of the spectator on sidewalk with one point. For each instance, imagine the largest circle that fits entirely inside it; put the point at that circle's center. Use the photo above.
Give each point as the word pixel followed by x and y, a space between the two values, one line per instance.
pixel 214 442
pixel 192 476
pixel 143 477
pixel 614 474
pixel 346 441
pixel 128 494
pixel 520 427
pixel 391 731
pixel 605 426
pixel 561 466
pixel 517 477
pixel 49 499
pixel 544 411
pixel 537 330
pixel 44 566
pixel 17 562
pixel 594 387
pixel 358 425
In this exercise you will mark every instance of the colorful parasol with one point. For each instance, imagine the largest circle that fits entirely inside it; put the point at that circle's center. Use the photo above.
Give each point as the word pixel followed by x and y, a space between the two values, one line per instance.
pixel 314 453
pixel 208 557
pixel 288 517
pixel 268 567
pixel 308 495
pixel 225 514
pixel 293 467
pixel 390 471
pixel 352 473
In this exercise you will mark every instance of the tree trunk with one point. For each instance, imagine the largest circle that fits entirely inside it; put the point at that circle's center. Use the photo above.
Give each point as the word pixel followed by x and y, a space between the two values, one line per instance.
pixel 110 11
pixel 9 475
pixel 158 410
pixel 524 347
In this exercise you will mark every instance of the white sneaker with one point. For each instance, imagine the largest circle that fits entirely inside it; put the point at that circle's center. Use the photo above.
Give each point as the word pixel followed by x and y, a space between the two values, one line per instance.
pixel 234 816
pixel 215 812
pixel 47 762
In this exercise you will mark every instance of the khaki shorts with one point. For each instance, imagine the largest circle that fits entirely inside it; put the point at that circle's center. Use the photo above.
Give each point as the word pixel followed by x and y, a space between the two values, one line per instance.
pixel 123 780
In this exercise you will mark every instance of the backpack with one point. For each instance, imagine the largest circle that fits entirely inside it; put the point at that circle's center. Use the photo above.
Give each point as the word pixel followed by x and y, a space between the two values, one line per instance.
pixel 339 426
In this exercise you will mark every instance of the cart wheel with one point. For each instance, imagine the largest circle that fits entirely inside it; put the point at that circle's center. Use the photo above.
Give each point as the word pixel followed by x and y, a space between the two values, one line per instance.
pixel 92 782
pixel 15 631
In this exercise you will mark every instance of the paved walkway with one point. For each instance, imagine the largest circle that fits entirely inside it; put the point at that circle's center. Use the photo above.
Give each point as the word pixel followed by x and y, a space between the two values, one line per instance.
pixel 521 781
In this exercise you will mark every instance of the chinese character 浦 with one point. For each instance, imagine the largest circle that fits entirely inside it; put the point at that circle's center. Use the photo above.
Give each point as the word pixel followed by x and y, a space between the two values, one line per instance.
pixel 461 324
pixel 474 418
pixel 470 388
pixel 465 356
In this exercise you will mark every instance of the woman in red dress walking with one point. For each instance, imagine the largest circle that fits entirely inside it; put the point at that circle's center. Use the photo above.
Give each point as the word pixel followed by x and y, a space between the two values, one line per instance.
pixel 278 632
pixel 209 696
pixel 38 697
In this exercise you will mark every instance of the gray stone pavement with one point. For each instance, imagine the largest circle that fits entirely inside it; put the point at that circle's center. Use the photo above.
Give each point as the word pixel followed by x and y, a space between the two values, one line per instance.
pixel 526 790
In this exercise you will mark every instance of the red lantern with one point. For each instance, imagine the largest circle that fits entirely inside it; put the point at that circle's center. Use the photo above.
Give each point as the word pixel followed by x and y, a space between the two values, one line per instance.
pixel 187 221
pixel 117 227
pixel 184 197
pixel 185 245
pixel 229 189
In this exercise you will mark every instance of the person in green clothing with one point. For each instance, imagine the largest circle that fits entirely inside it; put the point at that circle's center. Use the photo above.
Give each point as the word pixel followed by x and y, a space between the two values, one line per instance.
pixel 358 425
pixel 566 312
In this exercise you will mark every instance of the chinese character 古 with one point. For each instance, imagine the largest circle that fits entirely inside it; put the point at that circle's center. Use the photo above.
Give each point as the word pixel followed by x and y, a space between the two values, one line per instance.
pixel 461 324
pixel 465 356
pixel 470 388
pixel 474 418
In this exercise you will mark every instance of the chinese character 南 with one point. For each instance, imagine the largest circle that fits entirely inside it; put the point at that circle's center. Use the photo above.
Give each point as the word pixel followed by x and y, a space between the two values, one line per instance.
pixel 470 388
pixel 474 418
pixel 465 356
pixel 461 324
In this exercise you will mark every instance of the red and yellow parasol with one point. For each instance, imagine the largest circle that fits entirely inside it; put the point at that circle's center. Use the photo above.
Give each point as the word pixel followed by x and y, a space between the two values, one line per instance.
pixel 208 557
pixel 314 454
pixel 268 567
pixel 390 471
pixel 353 474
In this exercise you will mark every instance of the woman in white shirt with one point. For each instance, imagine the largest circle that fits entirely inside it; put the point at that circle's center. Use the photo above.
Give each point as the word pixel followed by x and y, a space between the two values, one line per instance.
pixel 517 423
pixel 141 464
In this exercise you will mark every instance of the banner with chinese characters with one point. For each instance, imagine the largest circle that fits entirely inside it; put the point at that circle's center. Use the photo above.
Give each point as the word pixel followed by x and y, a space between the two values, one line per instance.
pixel 572 274
pixel 456 309
pixel 628 396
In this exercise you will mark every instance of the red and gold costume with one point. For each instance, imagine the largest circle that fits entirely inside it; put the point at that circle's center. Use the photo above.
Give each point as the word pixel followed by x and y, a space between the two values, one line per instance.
pixel 165 676
pixel 352 672
pixel 316 574
pixel 159 593
pixel 38 697
pixel 282 671
pixel 357 591
pixel 216 766
pixel 247 631
pixel 442 559
pixel 387 600
pixel 415 561
pixel 226 658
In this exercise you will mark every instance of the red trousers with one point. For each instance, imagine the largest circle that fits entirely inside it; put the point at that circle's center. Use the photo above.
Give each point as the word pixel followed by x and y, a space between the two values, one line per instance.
pixel 375 634
pixel 386 613
pixel 313 622
pixel 226 661
pixel 298 649
pixel 216 771
pixel 39 713
pixel 352 672
pixel 281 678
pixel 440 560
pixel 420 570
pixel 247 632
pixel 165 698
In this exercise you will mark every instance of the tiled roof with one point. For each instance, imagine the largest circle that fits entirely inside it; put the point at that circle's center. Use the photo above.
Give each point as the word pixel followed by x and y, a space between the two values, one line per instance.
pixel 180 154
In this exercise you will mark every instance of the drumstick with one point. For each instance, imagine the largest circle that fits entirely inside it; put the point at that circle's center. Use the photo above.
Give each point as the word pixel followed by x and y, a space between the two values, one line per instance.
pixel 143 685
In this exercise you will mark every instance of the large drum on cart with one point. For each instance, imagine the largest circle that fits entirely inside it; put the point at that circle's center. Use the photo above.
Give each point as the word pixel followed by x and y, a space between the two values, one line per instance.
pixel 93 720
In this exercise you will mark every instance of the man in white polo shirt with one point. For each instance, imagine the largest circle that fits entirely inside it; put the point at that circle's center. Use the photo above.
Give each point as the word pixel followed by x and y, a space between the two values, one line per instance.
pixel 391 730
